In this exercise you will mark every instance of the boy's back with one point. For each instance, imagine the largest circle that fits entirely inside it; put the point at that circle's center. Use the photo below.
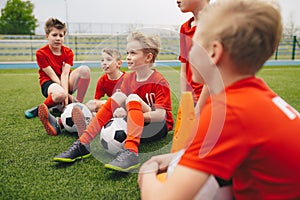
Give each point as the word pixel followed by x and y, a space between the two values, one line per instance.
pixel 264 130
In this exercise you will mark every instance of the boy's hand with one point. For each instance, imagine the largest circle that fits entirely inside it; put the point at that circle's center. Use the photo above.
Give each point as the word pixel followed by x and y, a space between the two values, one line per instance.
pixel 162 161
pixel 91 104
pixel 149 168
pixel 120 113
pixel 65 102
pixel 72 99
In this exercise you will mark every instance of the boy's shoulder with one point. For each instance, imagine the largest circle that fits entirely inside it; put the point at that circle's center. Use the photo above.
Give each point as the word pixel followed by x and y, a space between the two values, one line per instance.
pixel 105 77
pixel 129 75
pixel 187 24
pixel 44 48
pixel 43 51
pixel 159 78
pixel 66 49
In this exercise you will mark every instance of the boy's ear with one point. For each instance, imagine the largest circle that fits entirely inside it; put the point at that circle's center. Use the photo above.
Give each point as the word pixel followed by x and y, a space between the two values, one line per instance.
pixel 119 63
pixel 149 57
pixel 216 52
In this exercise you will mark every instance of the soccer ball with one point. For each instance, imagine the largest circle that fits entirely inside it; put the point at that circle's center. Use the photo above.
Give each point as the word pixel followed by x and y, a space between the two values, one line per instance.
pixel 66 116
pixel 113 135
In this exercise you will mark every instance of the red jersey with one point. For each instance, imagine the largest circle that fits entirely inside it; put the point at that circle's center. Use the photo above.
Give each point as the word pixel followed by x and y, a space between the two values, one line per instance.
pixel 45 58
pixel 252 135
pixel 155 91
pixel 105 86
pixel 186 42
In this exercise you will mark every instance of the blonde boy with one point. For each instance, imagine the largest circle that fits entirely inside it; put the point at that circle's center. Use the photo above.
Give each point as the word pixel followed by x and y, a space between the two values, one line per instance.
pixel 110 82
pixel 245 131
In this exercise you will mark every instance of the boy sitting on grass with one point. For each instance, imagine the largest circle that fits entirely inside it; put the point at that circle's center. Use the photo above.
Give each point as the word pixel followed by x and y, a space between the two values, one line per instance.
pixel 110 82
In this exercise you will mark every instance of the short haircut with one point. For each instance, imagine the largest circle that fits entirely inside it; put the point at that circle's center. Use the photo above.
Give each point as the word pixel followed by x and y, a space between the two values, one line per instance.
pixel 114 53
pixel 54 23
pixel 249 30
pixel 150 44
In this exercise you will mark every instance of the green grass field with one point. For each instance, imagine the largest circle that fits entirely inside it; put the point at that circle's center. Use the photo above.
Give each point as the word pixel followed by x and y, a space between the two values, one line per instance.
pixel 26 151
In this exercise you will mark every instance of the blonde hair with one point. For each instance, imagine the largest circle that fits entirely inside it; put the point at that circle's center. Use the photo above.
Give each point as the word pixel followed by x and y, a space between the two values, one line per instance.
pixel 249 30
pixel 114 53
pixel 150 44
pixel 54 23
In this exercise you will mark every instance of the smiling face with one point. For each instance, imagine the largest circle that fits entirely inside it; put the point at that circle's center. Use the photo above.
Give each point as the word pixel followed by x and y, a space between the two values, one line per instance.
pixel 109 64
pixel 136 58
pixel 56 38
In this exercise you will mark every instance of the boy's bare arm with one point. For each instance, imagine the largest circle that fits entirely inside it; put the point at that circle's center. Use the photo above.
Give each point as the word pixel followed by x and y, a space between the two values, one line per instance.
pixel 50 72
pixel 65 79
pixel 183 77
pixel 158 115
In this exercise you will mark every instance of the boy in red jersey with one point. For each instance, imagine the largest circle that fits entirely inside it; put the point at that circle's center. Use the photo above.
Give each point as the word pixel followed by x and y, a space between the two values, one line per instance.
pixel 57 80
pixel 245 130
pixel 107 84
pixel 144 99
pixel 187 31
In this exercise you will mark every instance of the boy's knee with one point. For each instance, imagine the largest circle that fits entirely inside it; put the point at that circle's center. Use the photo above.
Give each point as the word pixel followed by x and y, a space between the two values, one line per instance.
pixel 91 104
pixel 133 97
pixel 59 96
pixel 119 97
pixel 84 71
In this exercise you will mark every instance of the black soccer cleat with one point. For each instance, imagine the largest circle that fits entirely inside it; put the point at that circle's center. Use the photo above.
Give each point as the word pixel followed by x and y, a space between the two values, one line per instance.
pixel 31 113
pixel 75 152
pixel 125 161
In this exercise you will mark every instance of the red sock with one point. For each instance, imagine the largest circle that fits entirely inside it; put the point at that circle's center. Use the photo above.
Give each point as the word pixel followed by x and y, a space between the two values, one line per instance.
pixel 135 125
pixel 49 101
pixel 82 86
pixel 103 115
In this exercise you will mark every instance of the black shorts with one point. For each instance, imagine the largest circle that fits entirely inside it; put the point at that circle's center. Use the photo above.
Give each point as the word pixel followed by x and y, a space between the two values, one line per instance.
pixel 154 131
pixel 45 87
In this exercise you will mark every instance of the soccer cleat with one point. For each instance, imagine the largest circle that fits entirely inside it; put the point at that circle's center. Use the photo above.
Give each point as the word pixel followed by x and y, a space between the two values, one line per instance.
pixel 56 111
pixel 50 123
pixel 78 119
pixel 31 113
pixel 124 162
pixel 75 152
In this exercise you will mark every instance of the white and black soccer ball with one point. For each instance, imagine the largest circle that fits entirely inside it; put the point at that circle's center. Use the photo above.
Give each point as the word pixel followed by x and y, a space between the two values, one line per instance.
pixel 66 116
pixel 113 135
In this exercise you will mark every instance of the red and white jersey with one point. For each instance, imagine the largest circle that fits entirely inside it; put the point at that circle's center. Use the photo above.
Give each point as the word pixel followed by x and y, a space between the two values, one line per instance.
pixel 155 91
pixel 250 134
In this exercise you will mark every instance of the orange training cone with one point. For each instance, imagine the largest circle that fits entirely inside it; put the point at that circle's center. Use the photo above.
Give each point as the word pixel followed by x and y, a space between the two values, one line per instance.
pixel 185 122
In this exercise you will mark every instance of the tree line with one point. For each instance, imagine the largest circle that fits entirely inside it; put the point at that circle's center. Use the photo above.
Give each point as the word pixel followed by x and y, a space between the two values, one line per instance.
pixel 17 18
